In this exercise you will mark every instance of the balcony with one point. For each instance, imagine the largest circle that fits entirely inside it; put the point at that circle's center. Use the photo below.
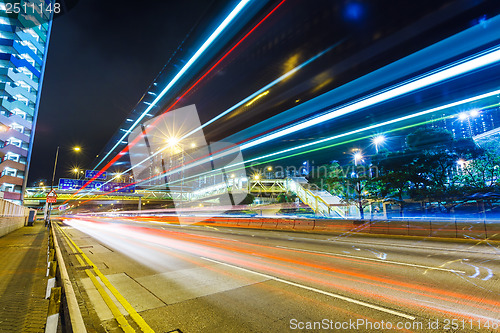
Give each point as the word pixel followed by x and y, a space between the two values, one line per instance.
pixel 11 164
pixel 11 180
pixel 19 76
pixel 4 136
pixel 26 36
pixel 9 106
pixel 13 149
pixel 14 91
pixel 15 119
pixel 11 195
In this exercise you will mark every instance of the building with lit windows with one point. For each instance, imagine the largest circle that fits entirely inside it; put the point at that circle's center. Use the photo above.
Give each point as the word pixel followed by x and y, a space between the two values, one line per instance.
pixel 24 39
pixel 469 124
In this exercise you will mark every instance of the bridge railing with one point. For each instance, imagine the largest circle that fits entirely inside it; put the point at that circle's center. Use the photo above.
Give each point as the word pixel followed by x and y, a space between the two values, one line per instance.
pixel 321 202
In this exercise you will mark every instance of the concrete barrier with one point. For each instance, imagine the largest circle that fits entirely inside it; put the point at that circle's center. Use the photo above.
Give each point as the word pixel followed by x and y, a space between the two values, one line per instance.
pixel 285 224
pixel 304 224
pixel 11 223
pixel 451 228
pixel 268 223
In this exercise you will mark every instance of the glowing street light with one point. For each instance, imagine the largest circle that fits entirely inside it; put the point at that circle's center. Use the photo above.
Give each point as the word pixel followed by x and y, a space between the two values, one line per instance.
pixel 77 149
pixel 466 115
pixel 172 141
pixel 377 141
pixel 358 156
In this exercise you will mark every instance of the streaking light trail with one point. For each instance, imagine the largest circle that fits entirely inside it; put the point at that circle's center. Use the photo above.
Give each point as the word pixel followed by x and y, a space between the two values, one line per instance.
pixel 472 63
pixel 452 70
pixel 249 100
pixel 357 131
pixel 121 153
pixel 198 53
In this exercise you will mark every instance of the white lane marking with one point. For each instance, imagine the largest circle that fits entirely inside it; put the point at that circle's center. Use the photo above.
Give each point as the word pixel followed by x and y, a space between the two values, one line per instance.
pixel 490 274
pixel 330 240
pixel 373 259
pixel 344 298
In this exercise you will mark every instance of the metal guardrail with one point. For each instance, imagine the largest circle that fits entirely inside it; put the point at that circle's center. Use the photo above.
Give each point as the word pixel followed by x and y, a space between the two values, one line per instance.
pixel 315 199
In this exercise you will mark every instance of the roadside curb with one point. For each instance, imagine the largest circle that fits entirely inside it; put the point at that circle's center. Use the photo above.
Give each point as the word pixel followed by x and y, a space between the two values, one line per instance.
pixel 66 288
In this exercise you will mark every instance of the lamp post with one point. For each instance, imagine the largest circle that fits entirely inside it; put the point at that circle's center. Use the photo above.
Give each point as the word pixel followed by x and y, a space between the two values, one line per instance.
pixel 358 156
pixel 48 208
pixel 377 141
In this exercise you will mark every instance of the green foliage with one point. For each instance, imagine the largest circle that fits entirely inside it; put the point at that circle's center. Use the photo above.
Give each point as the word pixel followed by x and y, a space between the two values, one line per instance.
pixel 427 171
pixel 350 183
pixel 428 138
pixel 248 200
pixel 482 174
pixel 284 197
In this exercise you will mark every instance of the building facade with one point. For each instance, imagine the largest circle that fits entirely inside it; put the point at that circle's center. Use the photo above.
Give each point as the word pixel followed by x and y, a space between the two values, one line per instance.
pixel 471 123
pixel 24 39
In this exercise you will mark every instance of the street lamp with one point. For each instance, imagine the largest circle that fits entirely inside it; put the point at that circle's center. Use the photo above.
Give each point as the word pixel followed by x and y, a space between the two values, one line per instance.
pixel 358 156
pixel 377 141
pixel 76 149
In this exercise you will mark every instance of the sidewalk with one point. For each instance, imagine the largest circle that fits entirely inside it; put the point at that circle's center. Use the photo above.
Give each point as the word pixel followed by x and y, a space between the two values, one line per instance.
pixel 23 266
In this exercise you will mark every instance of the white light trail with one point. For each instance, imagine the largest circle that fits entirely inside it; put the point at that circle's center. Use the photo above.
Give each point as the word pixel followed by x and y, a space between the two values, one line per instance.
pixel 198 53
pixel 425 80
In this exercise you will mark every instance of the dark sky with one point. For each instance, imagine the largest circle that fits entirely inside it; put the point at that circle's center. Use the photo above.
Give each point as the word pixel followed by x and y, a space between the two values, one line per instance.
pixel 102 57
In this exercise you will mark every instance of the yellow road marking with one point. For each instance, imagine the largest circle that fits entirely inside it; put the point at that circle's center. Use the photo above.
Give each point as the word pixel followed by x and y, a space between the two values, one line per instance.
pixel 135 316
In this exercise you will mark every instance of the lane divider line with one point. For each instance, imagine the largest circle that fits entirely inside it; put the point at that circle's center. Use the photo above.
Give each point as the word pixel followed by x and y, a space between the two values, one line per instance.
pixel 374 259
pixel 344 298
pixel 135 316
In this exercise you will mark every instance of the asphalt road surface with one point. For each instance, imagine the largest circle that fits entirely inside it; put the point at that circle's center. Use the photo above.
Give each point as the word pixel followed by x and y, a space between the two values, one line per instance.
pixel 206 279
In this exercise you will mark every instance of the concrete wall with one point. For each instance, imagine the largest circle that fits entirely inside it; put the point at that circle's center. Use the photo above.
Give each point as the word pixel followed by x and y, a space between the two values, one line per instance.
pixel 459 228
pixel 9 224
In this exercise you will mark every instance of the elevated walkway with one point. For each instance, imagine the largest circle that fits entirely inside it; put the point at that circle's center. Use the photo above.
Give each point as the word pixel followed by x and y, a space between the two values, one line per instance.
pixel 322 202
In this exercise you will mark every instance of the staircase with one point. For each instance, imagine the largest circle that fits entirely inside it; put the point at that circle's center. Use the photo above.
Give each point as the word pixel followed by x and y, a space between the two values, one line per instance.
pixel 321 202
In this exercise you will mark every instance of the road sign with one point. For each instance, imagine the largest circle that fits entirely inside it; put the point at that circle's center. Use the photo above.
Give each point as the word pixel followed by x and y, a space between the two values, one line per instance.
pixel 96 185
pixel 93 173
pixel 52 197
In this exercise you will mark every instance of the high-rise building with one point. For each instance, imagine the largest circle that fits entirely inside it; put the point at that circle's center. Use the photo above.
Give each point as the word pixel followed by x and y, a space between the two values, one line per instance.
pixel 24 39
pixel 469 124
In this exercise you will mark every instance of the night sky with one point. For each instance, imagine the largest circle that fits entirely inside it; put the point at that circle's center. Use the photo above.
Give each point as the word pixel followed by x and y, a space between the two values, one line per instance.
pixel 102 57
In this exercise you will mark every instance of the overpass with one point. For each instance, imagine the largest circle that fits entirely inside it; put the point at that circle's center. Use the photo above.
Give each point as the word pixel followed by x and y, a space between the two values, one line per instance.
pixel 321 202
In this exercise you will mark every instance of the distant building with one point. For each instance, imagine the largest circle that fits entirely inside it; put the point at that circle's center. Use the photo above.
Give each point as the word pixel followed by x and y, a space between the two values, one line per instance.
pixel 470 124
pixel 24 39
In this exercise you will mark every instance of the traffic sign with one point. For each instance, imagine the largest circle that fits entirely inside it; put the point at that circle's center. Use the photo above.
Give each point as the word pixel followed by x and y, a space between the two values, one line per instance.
pixel 93 173
pixel 52 197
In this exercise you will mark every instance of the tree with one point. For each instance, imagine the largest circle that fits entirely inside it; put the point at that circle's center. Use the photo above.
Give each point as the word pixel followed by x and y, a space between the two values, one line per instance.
pixel 285 197
pixel 350 183
pixel 394 177
pixel 482 174
pixel 429 139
